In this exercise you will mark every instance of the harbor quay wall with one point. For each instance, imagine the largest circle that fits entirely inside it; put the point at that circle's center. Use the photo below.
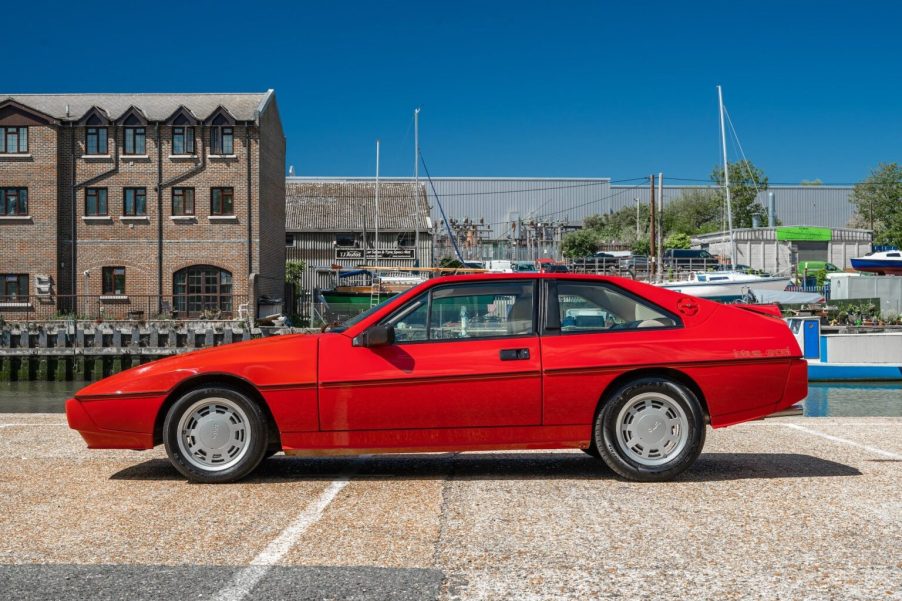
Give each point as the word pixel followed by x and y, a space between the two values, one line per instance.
pixel 66 351
pixel 883 347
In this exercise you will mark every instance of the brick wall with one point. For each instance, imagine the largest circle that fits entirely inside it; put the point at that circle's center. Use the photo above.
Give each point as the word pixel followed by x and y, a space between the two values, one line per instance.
pixel 29 244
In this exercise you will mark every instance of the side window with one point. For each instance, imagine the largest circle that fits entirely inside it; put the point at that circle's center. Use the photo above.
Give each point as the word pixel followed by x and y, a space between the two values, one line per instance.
pixel 467 311
pixel 411 321
pixel 590 307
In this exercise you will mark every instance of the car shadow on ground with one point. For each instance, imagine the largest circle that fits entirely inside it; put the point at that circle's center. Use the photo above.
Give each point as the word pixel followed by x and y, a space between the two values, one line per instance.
pixel 710 467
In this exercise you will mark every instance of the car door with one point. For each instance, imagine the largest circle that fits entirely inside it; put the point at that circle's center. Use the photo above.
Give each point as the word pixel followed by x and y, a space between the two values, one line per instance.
pixel 593 332
pixel 465 355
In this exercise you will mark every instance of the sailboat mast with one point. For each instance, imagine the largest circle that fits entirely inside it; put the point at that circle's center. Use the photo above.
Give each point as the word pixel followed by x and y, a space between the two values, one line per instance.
pixel 376 240
pixel 416 184
pixel 726 179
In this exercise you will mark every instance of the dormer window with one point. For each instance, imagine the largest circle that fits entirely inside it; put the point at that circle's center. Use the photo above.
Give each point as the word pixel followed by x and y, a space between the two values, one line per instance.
pixel 96 140
pixel 135 141
pixel 182 140
pixel 13 140
pixel 222 140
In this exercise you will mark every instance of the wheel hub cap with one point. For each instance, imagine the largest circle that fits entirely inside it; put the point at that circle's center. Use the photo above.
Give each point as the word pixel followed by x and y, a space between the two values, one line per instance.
pixel 652 429
pixel 213 434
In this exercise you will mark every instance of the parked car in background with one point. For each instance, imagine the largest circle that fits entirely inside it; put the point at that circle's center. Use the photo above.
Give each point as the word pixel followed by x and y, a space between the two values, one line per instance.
pixel 597 263
pixel 635 263
pixel 690 259
pixel 524 267
pixel 812 267
pixel 551 266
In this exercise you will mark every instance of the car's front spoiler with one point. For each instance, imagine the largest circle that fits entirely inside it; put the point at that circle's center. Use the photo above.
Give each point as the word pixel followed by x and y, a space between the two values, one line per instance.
pixel 100 438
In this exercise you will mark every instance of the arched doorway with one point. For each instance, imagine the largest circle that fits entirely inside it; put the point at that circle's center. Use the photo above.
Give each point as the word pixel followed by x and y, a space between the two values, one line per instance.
pixel 202 291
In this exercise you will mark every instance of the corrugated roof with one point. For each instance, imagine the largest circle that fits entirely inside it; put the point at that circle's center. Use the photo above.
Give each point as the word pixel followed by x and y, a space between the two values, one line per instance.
pixel 156 107
pixel 351 207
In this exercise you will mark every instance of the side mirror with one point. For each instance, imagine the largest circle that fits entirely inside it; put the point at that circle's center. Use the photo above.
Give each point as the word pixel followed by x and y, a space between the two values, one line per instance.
pixel 378 335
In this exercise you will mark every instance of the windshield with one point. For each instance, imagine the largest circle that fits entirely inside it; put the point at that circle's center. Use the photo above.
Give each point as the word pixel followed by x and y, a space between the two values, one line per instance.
pixel 361 316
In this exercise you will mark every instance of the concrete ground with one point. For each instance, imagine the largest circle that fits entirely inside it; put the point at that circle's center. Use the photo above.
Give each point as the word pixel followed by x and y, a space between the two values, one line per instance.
pixel 787 508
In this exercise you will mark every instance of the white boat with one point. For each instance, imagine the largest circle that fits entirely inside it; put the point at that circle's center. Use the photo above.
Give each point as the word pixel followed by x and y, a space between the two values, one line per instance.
pixel 726 285
pixel 884 263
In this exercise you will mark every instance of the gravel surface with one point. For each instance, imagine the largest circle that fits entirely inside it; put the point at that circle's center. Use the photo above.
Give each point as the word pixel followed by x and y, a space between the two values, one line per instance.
pixel 768 511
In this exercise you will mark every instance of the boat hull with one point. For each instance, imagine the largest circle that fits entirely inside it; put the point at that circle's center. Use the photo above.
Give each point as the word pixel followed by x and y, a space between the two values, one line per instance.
pixel 880 266
pixel 729 290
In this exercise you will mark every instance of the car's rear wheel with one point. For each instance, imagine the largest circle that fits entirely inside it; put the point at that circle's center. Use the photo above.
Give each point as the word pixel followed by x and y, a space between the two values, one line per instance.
pixel 215 434
pixel 651 429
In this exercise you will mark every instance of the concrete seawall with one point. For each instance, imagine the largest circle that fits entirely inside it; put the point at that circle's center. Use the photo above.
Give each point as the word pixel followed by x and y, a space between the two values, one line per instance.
pixel 93 351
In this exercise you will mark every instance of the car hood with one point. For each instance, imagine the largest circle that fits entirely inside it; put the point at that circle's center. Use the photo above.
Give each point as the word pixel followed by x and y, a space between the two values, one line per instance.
pixel 264 362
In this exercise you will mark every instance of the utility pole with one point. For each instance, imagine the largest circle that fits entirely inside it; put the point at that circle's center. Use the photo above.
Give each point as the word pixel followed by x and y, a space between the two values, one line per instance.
pixel 637 219
pixel 652 233
pixel 376 241
pixel 416 184
pixel 660 258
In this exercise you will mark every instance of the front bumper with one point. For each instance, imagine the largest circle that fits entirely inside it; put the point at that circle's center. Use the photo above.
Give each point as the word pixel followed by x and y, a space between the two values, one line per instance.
pixel 103 438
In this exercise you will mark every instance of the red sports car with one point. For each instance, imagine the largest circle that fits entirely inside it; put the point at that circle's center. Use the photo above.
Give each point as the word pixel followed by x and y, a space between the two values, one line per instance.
pixel 625 371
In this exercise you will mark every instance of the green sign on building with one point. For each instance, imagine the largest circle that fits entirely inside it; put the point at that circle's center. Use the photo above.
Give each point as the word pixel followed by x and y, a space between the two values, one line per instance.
pixel 804 233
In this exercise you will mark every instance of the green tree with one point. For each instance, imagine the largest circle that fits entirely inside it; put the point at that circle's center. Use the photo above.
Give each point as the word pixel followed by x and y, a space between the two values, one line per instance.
pixel 678 240
pixel 812 182
pixel 878 203
pixel 695 212
pixel 294 272
pixel 640 247
pixel 581 243
pixel 746 181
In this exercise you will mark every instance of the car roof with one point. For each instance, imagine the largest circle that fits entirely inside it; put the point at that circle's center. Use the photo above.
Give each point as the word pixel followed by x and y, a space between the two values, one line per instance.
pixel 518 275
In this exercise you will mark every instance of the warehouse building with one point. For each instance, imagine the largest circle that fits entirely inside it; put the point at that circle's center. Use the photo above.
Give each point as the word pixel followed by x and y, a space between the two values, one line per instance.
pixel 333 225
pixel 780 249
pixel 526 218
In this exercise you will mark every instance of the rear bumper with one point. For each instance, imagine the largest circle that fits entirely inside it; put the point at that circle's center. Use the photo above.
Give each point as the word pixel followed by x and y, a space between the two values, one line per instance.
pixel 795 389
pixel 101 438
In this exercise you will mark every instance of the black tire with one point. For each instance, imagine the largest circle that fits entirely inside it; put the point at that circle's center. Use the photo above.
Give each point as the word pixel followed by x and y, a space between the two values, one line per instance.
pixel 592 451
pixel 665 401
pixel 223 404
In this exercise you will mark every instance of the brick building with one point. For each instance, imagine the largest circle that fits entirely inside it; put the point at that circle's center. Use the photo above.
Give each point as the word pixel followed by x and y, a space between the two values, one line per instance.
pixel 140 202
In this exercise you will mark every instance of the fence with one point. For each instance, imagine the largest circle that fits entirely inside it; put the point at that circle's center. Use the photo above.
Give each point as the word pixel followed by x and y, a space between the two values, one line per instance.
pixel 132 307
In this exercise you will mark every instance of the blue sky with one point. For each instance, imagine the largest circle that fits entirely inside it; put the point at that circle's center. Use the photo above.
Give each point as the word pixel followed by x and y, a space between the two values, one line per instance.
pixel 585 89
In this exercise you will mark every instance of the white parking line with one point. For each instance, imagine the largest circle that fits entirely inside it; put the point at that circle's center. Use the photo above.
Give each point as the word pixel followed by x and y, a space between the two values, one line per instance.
pixel 874 450
pixel 29 425
pixel 245 580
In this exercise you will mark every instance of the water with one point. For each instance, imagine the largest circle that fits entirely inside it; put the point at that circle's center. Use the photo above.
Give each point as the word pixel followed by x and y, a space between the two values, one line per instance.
pixel 834 399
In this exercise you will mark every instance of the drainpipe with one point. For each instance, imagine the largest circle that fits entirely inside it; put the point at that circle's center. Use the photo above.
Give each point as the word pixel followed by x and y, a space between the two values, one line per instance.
pixel 159 219
pixel 250 231
pixel 191 172
pixel 76 186
pixel 72 252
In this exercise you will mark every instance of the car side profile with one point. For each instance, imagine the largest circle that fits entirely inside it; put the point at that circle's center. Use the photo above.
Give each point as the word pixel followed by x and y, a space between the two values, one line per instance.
pixel 628 372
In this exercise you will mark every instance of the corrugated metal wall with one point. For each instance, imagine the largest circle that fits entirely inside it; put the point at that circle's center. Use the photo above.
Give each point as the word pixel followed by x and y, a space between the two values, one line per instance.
pixel 825 206
pixel 496 202
pixel 499 201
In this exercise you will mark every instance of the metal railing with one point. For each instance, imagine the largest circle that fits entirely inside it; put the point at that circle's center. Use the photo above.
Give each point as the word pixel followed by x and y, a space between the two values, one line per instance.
pixel 131 307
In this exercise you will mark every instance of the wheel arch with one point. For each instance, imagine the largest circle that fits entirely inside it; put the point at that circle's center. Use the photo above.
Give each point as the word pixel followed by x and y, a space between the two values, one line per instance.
pixel 662 372
pixel 219 379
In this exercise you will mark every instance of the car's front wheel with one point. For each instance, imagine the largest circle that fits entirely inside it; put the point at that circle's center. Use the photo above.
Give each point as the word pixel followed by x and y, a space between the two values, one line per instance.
pixel 651 429
pixel 215 434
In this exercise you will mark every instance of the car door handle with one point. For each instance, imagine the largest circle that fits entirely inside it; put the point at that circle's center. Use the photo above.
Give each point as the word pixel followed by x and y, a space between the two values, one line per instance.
pixel 514 354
